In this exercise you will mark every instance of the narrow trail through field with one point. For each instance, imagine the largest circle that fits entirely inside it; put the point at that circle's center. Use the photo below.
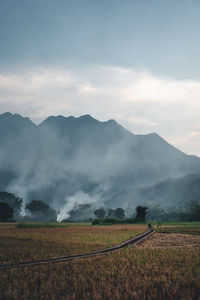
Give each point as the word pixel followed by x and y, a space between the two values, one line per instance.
pixel 172 240
pixel 132 241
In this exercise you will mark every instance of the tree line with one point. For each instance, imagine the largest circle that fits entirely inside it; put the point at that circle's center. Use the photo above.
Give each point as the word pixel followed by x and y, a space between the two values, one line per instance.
pixel 10 208
pixel 190 213
pixel 114 216
pixel 36 210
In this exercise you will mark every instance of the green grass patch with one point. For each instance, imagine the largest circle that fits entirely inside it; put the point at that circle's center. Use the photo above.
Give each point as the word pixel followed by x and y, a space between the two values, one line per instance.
pixel 181 223
pixel 192 228
pixel 182 231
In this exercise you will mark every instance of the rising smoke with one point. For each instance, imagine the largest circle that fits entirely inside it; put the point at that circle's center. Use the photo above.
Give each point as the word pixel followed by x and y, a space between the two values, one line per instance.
pixel 67 162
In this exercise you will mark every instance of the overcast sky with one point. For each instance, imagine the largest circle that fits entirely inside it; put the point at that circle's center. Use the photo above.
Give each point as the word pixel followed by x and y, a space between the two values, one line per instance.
pixel 135 61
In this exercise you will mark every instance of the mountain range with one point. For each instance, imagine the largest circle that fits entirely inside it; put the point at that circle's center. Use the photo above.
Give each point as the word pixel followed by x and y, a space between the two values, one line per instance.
pixel 65 161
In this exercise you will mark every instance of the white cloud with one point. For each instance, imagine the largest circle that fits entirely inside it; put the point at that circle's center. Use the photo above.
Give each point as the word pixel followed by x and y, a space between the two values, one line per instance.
pixel 51 79
pixel 140 101
pixel 151 89
pixel 10 81
pixel 141 121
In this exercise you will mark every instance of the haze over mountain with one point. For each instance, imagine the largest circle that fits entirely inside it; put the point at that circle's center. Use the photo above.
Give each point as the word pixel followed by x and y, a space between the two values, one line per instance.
pixel 66 161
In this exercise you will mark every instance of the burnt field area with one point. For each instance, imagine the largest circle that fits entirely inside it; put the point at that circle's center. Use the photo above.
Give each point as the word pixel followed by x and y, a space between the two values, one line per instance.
pixel 172 240
pixel 164 266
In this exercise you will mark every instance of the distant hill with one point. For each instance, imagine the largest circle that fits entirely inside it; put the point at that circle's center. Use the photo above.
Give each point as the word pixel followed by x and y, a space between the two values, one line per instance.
pixel 170 194
pixel 61 156
pixel 14 126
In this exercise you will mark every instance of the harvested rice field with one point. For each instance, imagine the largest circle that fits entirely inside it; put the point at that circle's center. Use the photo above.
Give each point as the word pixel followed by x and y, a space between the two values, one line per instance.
pixel 165 266
pixel 171 240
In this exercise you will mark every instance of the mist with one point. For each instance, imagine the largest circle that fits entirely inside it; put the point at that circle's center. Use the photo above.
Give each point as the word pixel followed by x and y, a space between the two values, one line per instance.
pixel 68 161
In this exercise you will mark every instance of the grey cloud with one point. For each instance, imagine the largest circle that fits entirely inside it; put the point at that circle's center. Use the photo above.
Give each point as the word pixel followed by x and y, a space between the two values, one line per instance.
pixel 142 102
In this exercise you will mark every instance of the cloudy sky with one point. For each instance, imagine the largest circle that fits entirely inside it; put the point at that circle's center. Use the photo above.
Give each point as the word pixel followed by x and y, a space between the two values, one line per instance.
pixel 135 61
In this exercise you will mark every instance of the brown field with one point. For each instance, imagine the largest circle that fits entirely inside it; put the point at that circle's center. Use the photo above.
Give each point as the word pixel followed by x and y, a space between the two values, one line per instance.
pixel 162 267
pixel 173 240
pixel 189 228
pixel 22 244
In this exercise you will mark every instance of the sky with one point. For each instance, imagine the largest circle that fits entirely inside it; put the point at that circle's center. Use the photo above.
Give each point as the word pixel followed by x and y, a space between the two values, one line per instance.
pixel 135 61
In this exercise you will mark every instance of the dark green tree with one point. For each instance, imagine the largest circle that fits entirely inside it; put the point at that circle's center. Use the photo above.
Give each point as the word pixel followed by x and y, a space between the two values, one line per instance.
pixel 116 213
pixel 6 212
pixel 141 213
pixel 194 211
pixel 41 211
pixel 119 213
pixel 100 213
pixel 12 201
pixel 37 206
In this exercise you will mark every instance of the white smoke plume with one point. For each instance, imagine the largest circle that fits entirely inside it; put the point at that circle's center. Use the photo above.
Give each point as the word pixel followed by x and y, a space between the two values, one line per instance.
pixel 78 198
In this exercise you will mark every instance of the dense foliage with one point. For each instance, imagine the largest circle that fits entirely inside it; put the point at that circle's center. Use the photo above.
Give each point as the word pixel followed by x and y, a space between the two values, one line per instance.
pixel 41 211
pixel 141 213
pixel 110 221
pixel 14 202
pixel 155 213
pixel 100 213
pixel 6 212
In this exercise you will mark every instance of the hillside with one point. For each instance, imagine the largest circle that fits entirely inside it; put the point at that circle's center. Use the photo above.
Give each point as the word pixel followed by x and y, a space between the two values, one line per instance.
pixel 171 194
pixel 65 156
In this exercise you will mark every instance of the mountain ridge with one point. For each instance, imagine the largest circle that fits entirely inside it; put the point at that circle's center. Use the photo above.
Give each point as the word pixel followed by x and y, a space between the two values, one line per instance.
pixel 63 156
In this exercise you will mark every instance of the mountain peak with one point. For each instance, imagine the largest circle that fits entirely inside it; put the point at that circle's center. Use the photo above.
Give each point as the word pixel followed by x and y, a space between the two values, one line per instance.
pixel 87 116
pixel 15 118
pixel 6 115
pixel 87 119
pixel 111 121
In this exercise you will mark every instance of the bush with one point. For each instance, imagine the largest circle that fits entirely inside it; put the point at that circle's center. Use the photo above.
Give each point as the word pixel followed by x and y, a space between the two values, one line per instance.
pixel 131 221
pixel 110 221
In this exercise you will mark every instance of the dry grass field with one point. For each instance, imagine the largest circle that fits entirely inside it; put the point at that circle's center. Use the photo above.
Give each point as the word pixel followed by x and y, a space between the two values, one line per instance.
pixel 165 266
pixel 172 240
pixel 22 244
